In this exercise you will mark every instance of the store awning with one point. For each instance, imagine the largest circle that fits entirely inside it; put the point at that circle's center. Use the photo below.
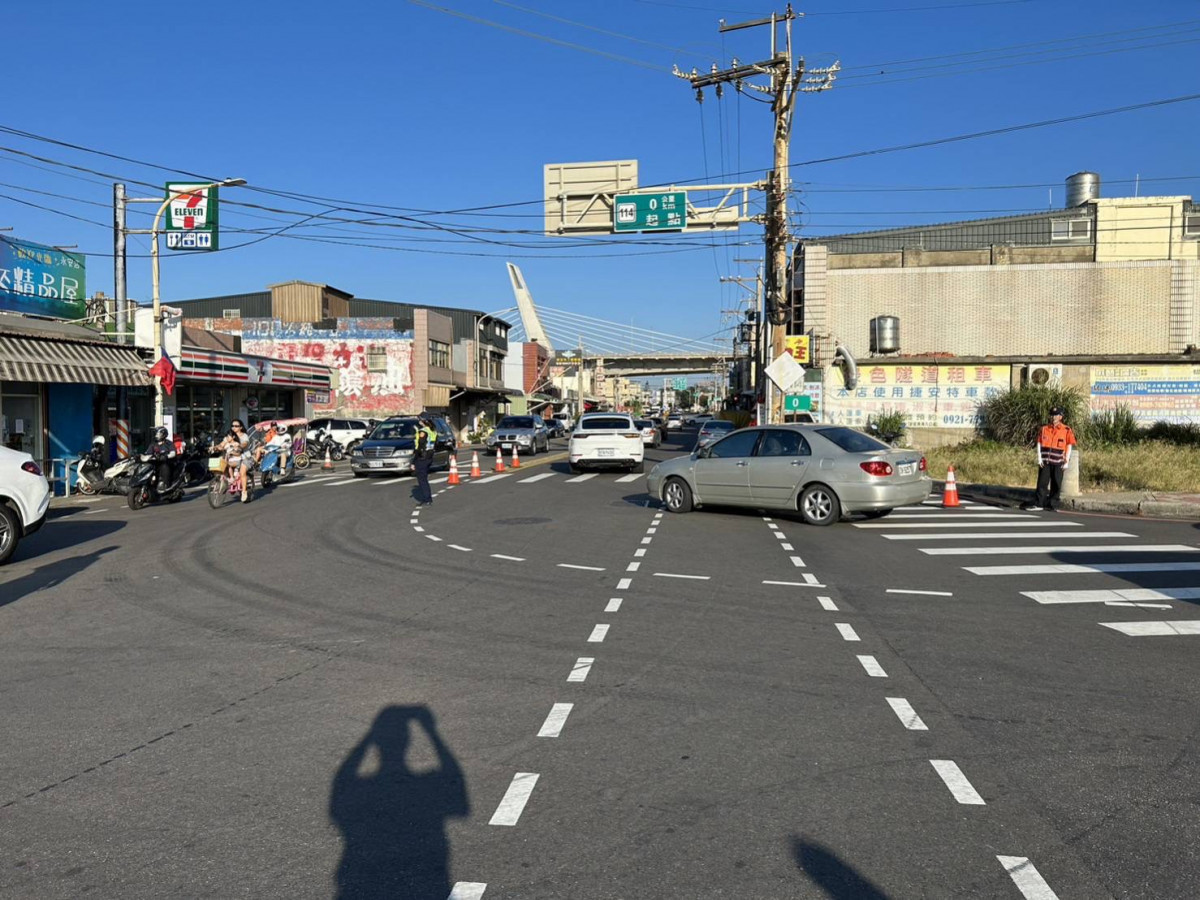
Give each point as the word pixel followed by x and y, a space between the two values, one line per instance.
pixel 70 362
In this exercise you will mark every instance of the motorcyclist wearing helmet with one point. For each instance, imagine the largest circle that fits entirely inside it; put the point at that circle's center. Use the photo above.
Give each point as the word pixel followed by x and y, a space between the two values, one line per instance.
pixel 163 452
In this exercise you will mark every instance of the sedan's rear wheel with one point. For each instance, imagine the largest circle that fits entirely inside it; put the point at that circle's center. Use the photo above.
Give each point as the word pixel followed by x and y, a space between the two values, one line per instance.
pixel 10 529
pixel 678 496
pixel 576 469
pixel 819 505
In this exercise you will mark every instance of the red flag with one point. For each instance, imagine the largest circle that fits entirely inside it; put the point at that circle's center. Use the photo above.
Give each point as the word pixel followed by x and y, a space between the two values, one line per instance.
pixel 165 369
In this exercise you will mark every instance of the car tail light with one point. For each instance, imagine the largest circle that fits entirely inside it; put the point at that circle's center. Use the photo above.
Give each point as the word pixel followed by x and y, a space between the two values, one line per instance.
pixel 876 467
pixel 578 435
pixel 636 434
pixel 922 466
pixel 32 468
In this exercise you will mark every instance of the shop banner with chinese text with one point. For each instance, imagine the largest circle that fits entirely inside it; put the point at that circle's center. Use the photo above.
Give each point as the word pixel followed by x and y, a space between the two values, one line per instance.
pixel 931 396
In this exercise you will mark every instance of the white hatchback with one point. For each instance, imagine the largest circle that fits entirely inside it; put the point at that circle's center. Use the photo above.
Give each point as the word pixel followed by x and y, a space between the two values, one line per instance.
pixel 603 440
pixel 24 499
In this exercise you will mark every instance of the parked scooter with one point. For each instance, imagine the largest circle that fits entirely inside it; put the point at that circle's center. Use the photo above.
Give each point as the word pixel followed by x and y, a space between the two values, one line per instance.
pixel 195 460
pixel 95 476
pixel 144 486
pixel 320 442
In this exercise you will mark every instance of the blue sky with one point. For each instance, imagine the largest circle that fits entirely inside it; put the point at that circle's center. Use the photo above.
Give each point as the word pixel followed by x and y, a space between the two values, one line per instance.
pixel 396 104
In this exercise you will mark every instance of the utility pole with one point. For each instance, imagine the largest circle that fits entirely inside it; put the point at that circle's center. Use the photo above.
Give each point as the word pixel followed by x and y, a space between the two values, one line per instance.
pixel 786 79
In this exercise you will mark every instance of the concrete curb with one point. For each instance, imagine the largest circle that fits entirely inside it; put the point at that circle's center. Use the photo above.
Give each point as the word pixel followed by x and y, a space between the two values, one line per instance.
pixel 1130 503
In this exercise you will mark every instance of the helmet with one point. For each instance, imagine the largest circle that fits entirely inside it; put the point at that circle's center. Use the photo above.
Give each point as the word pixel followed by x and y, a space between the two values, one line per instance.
pixel 98 439
pixel 280 428
pixel 160 433
pixel 1056 411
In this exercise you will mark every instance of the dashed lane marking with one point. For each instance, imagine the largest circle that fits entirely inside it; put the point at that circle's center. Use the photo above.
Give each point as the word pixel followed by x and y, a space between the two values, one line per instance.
pixel 433 537
pixel 554 723
pixel 920 593
pixel 613 605
pixel 1059 548
pixel 534 478
pixel 633 567
pixel 1073 569
pixel 846 630
pixel 673 575
pixel 872 666
pixel 583 665
pixel 587 476
pixel 640 553
pixel 787 547
pixel 599 633
pixel 509 558
pixel 459 547
pixel 1007 535
pixel 1137 595
pixel 1155 629
pixel 907 715
pixel 810 578
pixel 468 890
pixel 827 604
pixel 797 562
pixel 962 789
pixel 1027 878
pixel 583 568
pixel 419 529
pixel 795 584
pixel 514 800
pixel 624 583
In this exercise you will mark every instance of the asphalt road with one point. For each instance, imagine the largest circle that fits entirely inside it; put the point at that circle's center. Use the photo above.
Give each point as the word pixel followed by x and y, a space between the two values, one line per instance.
pixel 543 686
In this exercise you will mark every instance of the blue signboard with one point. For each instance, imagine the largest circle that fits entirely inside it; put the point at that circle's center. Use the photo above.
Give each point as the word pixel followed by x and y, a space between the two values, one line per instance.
pixel 41 281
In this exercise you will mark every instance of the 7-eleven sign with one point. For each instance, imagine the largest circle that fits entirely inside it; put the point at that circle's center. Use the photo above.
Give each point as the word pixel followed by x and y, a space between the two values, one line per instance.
pixel 191 220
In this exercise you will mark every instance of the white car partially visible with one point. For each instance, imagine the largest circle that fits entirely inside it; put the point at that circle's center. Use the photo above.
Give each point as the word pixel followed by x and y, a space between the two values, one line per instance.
pixel 606 440
pixel 24 499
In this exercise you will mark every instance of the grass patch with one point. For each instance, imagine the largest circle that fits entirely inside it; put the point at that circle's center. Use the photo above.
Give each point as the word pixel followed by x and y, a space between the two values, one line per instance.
pixel 1146 466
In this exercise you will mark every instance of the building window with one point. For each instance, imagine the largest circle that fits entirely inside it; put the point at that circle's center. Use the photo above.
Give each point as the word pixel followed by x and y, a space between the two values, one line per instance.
pixel 377 358
pixel 231 314
pixel 1070 229
pixel 1191 226
pixel 439 355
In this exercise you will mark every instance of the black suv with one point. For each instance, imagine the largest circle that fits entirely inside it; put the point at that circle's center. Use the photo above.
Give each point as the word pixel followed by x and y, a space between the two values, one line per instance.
pixel 389 448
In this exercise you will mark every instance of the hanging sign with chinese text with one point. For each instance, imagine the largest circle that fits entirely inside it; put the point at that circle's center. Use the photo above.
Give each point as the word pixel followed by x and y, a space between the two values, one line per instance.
pixel 41 281
pixel 650 212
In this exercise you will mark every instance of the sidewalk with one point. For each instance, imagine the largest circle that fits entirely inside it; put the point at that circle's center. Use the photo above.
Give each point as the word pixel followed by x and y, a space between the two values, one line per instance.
pixel 1153 504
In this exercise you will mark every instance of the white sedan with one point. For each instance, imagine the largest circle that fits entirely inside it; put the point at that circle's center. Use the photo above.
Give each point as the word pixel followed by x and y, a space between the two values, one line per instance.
pixel 650 436
pixel 603 440
pixel 24 499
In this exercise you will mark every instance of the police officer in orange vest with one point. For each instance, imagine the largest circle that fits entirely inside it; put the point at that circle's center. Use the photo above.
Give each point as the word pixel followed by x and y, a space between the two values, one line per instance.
pixel 1054 454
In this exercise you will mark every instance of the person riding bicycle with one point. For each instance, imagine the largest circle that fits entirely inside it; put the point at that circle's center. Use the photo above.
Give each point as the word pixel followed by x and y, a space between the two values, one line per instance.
pixel 164 453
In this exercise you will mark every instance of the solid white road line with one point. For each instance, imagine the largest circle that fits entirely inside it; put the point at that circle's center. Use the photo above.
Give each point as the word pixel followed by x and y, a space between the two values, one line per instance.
pixel 693 577
pixel 459 547
pixel 957 782
pixel 1109 596
pixel 1027 879
pixel 1060 548
pixel 515 798
pixel 795 584
pixel 584 568
pixel 468 890
pixel 534 478
pixel 554 723
pixel 797 562
pixel 1138 605
pixel 1008 535
pixel 874 669
pixel 922 593
pixel 906 713
pixel 1058 523
pixel 90 499
pixel 585 477
pixel 625 479
pixel 613 605
pixel 1155 629
pixel 579 671
pixel 827 604
pixel 598 634
pixel 1074 569
pixel 847 631
pixel 509 558
pixel 624 583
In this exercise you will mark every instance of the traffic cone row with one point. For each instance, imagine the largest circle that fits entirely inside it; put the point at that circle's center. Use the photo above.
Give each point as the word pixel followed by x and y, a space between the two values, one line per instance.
pixel 516 463
pixel 475 471
pixel 499 467
pixel 454 479
pixel 950 491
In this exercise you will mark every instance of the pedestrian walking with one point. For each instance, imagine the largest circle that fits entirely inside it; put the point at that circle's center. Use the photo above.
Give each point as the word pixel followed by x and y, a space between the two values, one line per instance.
pixel 426 438
pixel 1053 455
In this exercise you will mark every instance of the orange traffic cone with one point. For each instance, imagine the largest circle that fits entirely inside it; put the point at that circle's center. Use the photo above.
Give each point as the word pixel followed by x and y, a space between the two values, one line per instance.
pixel 516 463
pixel 950 491
pixel 499 467
pixel 453 470
pixel 328 467
pixel 475 471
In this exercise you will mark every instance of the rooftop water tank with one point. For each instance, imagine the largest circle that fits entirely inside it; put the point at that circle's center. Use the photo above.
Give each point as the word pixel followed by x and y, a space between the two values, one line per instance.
pixel 885 334
pixel 1082 187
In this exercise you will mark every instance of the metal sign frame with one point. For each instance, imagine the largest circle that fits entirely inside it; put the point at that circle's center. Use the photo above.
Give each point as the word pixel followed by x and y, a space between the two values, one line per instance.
pixel 197 232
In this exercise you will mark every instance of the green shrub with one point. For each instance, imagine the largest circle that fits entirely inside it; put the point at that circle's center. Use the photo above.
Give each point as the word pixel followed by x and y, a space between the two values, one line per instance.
pixel 1117 427
pixel 888 425
pixel 1014 417
pixel 1185 434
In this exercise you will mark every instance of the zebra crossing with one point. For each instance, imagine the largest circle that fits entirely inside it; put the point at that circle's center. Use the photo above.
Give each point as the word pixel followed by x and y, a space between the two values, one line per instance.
pixel 1077 548
pixel 520 477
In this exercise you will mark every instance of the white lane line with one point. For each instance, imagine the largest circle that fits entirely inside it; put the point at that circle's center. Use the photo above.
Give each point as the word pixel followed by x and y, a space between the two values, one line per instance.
pixel 468 890
pixel 936 502
pixel 515 798
pixel 554 723
pixel 827 604
pixel 624 583
pixel 921 593
pixel 795 584
pixel 585 477
pixel 633 567
pixel 625 479
pixel 488 479
pixel 797 562
pixel 847 631
pixel 1027 878
pixel 584 568
pixel 598 634
pixel 414 520
pixel 787 547
pixel 962 789
pixel 1138 605
pixel 810 578
pixel 651 531
pixel 1155 629
pixel 874 669
pixel 439 480
pixel 418 529
pixel 640 553
pixel 433 537
pixel 773 526
pixel 973 524
pixel 509 558
pixel 1007 535
pixel 342 481
pixel 670 575
pixel 767 519
pixel 1060 548
pixel 1073 569
pixel 579 671
pixel 613 605
pixel 92 512
pixel 647 540
pixel 534 478
pixel 779 535
pixel 908 716
pixel 459 547
pixel 87 499
pixel 1136 595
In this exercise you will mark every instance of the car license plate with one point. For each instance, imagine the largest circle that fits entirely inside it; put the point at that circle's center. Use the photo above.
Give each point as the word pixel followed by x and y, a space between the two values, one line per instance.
pixel 506 446
pixel 907 468
pixel 606 451
pixel 374 464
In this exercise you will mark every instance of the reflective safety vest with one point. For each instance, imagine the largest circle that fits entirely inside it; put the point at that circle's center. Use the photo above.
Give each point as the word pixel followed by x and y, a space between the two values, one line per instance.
pixel 426 439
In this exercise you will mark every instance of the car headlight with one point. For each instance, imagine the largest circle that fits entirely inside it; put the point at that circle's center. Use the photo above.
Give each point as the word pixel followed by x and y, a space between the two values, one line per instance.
pixel 526 439
pixel 399 452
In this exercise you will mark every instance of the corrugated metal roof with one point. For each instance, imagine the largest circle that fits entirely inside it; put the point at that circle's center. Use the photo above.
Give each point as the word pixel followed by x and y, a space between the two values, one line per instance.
pixel 463 319
pixel 256 305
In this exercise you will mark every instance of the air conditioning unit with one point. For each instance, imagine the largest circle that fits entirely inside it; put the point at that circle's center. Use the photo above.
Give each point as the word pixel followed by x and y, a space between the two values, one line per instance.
pixel 1042 374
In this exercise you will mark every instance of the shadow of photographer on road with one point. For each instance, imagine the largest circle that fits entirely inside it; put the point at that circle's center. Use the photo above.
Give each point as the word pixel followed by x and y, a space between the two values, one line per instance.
pixel 393 819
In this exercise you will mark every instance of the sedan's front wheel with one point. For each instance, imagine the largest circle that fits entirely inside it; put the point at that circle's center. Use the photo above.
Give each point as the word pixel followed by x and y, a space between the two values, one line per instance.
pixel 678 496
pixel 819 505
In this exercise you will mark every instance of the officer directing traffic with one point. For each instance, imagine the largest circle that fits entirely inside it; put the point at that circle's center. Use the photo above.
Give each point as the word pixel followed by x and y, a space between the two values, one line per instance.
pixel 1054 455
pixel 426 439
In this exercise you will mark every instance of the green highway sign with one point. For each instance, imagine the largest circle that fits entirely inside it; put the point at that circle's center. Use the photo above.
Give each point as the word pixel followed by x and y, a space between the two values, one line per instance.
pixel 650 212
pixel 680 384
pixel 797 403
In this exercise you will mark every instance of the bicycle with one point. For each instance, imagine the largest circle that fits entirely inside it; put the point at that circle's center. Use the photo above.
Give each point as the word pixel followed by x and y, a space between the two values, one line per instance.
pixel 224 487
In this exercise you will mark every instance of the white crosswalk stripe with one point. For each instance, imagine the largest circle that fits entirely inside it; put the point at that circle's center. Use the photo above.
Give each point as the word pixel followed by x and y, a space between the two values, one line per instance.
pixel 587 476
pixel 972 524
pixel 1155 629
pixel 1135 595
pixel 1006 535
pixel 627 478
pixel 1060 548
pixel 1076 569
pixel 534 478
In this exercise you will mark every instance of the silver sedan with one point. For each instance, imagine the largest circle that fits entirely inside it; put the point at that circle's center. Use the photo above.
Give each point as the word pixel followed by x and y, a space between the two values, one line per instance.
pixel 823 471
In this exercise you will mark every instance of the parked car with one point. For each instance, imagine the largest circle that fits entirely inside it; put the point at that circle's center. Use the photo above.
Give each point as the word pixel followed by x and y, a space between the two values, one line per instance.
pixel 347 432
pixel 389 448
pixel 712 430
pixel 555 428
pixel 566 420
pixel 528 433
pixel 823 471
pixel 650 433
pixel 24 499
pixel 601 440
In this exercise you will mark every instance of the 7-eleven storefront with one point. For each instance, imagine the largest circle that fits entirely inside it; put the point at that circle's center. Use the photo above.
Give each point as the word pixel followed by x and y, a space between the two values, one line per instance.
pixel 215 387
